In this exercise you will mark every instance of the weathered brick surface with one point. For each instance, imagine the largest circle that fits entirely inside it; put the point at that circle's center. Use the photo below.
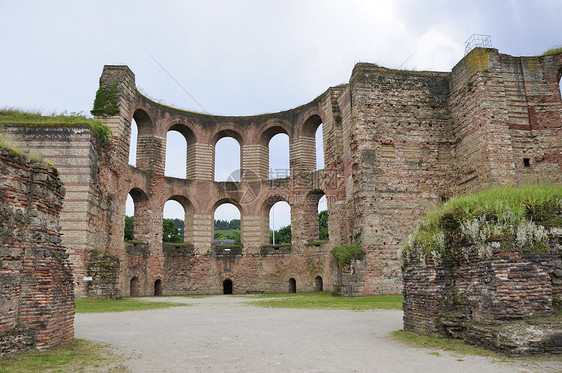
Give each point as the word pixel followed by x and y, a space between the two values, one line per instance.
pixel 478 299
pixel 396 143
pixel 36 283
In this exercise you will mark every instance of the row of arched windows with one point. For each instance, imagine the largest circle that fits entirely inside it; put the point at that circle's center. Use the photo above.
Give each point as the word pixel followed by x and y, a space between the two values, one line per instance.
pixel 227 154
pixel 279 215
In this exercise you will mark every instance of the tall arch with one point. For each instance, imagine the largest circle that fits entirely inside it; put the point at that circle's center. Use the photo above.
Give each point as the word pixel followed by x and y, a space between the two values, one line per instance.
pixel 173 211
pixel 227 160
pixel 141 216
pixel 145 146
pixel 180 152
pixel 276 144
pixel 227 214
pixel 306 147
pixel 282 219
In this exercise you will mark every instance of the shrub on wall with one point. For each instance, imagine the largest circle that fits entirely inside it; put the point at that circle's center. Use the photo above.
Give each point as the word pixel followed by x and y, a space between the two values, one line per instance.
pixel 516 219
pixel 345 255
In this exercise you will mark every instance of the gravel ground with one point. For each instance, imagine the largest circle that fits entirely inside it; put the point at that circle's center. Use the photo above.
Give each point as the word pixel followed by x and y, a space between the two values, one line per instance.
pixel 225 334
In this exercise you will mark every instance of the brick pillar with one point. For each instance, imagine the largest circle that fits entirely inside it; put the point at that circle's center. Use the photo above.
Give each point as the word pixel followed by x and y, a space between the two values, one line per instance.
pixel 304 220
pixel 200 162
pixel 202 232
pixel 255 162
pixel 151 153
pixel 252 234
pixel 302 155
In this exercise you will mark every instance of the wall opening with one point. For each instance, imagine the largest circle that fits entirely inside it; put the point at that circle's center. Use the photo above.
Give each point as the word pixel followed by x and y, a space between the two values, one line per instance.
pixel 319 146
pixel 227 286
pixel 279 167
pixel 227 160
pixel 227 224
pixel 318 284
pixel 158 287
pixel 526 162
pixel 323 218
pixel 280 223
pixel 134 288
pixel 136 215
pixel 176 155
pixel 133 143
pixel 173 222
pixel 292 285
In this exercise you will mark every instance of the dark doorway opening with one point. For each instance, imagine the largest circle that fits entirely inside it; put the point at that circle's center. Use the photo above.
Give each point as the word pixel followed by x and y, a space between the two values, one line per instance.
pixel 292 285
pixel 318 284
pixel 227 287
pixel 134 287
pixel 158 287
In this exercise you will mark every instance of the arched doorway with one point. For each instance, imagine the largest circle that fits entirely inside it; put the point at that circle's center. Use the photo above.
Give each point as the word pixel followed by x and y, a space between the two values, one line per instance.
pixel 318 284
pixel 134 287
pixel 227 286
pixel 292 285
pixel 158 287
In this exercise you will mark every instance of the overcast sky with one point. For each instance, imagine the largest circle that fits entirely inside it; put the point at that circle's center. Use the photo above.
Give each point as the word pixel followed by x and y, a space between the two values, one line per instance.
pixel 244 57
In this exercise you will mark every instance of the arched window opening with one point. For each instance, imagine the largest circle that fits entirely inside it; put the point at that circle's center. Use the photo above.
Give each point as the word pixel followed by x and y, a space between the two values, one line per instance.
pixel 227 286
pixel 318 284
pixel 173 222
pixel 136 216
pixel 280 223
pixel 227 225
pixel 134 288
pixel 133 143
pixel 227 160
pixel 292 285
pixel 129 219
pixel 319 146
pixel 323 218
pixel 158 287
pixel 176 155
pixel 279 157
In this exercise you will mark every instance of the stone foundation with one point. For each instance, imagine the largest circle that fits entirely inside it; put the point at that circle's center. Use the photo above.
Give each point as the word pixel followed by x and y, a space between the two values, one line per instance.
pixel 506 302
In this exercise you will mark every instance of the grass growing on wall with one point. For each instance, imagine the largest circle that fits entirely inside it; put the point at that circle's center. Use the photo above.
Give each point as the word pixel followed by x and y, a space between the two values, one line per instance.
pixel 552 51
pixel 324 300
pixel 37 119
pixel 98 305
pixel 520 218
pixel 75 356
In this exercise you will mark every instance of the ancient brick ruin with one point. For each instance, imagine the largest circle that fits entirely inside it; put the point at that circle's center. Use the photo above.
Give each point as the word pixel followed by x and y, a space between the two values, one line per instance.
pixel 36 282
pixel 488 301
pixel 396 143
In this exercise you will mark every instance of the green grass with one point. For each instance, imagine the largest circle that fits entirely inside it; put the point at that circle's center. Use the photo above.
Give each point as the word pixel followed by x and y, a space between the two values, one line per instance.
pixel 498 214
pixel 324 300
pixel 97 305
pixel 551 51
pixel 74 356
pixel 22 118
pixel 443 344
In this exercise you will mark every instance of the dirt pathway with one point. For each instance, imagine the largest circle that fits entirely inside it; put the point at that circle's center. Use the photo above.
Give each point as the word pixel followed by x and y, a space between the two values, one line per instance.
pixel 225 334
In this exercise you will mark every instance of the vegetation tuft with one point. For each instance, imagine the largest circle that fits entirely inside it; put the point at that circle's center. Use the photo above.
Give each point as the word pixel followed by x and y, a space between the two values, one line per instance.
pixel 552 51
pixel 77 355
pixel 99 305
pixel 514 219
pixel 37 119
pixel 106 103
pixel 344 255
pixel 324 300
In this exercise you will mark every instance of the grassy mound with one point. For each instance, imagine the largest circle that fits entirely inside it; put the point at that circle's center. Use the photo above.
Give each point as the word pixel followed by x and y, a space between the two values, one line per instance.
pixel 516 219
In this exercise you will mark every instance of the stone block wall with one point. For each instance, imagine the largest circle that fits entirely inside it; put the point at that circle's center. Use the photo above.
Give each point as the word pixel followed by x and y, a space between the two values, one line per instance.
pixel 36 283
pixel 481 300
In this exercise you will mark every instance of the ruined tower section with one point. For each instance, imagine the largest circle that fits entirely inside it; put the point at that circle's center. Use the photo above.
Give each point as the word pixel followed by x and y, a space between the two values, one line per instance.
pixel 36 283
pixel 506 120
pixel 397 135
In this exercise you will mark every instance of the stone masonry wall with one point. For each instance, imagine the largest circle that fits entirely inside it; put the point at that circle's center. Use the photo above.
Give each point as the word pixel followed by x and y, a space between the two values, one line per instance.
pixel 36 283
pixel 396 144
pixel 480 299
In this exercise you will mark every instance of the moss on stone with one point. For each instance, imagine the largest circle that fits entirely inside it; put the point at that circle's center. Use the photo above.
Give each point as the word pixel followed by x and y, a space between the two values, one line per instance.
pixel 106 103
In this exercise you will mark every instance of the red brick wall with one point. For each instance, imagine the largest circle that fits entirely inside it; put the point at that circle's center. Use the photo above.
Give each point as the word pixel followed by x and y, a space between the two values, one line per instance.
pixel 36 284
